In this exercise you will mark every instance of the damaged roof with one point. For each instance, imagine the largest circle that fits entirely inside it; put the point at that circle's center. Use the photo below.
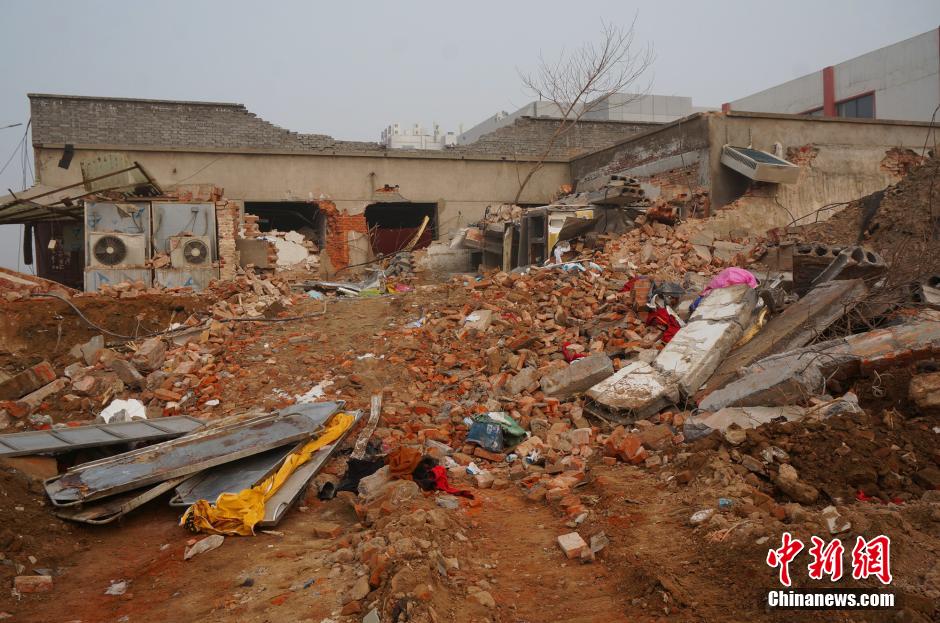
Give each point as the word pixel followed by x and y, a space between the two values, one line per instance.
pixel 78 120
pixel 219 126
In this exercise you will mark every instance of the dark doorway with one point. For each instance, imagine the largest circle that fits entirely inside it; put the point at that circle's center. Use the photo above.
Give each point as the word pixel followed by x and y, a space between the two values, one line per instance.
pixel 300 216
pixel 393 225
pixel 60 252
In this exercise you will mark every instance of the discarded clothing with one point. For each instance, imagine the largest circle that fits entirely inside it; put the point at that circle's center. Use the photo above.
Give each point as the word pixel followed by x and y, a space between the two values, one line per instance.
pixel 570 355
pixel 666 321
pixel 443 484
pixel 423 474
pixel 238 513
pixel 356 470
pixel 402 461
pixel 730 277
pixel 433 477
pixel 495 431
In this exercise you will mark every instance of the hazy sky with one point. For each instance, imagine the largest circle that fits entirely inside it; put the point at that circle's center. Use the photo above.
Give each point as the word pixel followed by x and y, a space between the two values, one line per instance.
pixel 351 69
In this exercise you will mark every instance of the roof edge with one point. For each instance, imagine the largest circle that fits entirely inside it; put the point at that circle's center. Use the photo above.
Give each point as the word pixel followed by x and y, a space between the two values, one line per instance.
pixel 662 127
pixel 338 151
pixel 100 98
pixel 798 117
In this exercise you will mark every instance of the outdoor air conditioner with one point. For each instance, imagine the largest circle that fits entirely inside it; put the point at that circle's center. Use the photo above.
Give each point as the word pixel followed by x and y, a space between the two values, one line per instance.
pixel 109 250
pixel 759 165
pixel 190 252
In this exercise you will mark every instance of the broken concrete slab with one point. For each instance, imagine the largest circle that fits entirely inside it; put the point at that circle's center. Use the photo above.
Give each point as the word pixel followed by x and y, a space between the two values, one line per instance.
pixel 794 327
pixel 734 303
pixel 637 388
pixel 526 378
pixel 748 417
pixel 479 320
pixel 696 351
pixel 27 381
pixel 686 362
pixel 930 296
pixel 797 375
pixel 698 348
pixel 90 349
pixel 31 402
pixel 581 375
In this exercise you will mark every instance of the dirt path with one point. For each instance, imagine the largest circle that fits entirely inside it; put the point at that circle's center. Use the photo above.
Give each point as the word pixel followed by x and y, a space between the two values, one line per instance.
pixel 652 569
pixel 532 581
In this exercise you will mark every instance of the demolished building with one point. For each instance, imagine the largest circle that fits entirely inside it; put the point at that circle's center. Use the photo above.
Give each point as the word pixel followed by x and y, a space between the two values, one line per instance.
pixel 352 201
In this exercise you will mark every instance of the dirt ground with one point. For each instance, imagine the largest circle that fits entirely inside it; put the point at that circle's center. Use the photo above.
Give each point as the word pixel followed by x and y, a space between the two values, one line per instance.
pixel 494 558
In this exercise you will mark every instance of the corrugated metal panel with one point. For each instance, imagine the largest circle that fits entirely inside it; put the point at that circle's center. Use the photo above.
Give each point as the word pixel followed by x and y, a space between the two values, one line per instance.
pixel 187 455
pixel 96 435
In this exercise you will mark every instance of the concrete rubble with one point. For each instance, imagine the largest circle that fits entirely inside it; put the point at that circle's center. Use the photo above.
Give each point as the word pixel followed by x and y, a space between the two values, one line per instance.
pixel 686 362
pixel 791 376
pixel 553 415
pixel 794 327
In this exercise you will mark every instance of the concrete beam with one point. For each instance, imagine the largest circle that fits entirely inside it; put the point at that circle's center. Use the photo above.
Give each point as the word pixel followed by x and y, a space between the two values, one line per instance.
pixel 794 327
pixel 637 389
pixel 797 375
pixel 581 375
pixel 686 362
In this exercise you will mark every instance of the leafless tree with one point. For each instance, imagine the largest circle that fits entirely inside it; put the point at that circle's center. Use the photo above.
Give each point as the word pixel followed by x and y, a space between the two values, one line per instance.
pixel 583 80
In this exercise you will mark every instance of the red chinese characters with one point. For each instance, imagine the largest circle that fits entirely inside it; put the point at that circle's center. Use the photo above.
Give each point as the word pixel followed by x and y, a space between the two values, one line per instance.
pixel 826 560
pixel 872 558
pixel 782 557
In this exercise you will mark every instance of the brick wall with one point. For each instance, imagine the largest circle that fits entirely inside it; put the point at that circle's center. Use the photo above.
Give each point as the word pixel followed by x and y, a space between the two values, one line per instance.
pixel 89 121
pixel 680 183
pixel 529 136
pixel 899 161
pixel 802 155
pixel 338 224
pixel 58 119
pixel 227 217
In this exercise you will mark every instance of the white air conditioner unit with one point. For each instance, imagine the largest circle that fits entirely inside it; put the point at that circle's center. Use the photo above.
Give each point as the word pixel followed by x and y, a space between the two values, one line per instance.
pixel 759 165
pixel 111 250
pixel 190 252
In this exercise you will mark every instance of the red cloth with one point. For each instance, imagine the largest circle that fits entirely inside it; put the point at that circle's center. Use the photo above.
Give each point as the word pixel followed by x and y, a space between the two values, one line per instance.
pixel 442 484
pixel 662 318
pixel 570 355
pixel 628 285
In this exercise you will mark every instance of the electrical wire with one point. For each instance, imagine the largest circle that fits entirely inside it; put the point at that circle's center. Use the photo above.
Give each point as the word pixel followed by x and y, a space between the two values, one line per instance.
pixel 19 145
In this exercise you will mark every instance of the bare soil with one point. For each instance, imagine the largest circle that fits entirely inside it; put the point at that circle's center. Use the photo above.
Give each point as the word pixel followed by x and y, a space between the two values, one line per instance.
pixel 657 567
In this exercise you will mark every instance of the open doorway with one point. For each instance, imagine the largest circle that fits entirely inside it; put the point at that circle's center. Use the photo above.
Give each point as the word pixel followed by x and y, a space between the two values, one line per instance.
pixel 303 217
pixel 393 225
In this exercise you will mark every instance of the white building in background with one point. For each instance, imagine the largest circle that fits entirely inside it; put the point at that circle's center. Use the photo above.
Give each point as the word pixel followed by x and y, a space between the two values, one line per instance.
pixel 396 137
pixel 900 81
pixel 640 108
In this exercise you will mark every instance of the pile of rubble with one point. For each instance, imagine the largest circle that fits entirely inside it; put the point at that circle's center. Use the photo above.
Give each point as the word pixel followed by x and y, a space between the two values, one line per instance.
pixel 176 371
pixel 251 296
pixel 664 252
pixel 655 349
pixel 292 250
pixel 899 222
pixel 16 286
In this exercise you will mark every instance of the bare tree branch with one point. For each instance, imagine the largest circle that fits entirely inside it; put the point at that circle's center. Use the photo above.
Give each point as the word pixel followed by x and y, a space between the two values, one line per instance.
pixel 584 80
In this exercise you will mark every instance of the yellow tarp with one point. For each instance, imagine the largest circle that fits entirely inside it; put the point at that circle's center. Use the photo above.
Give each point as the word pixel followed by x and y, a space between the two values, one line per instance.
pixel 238 513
